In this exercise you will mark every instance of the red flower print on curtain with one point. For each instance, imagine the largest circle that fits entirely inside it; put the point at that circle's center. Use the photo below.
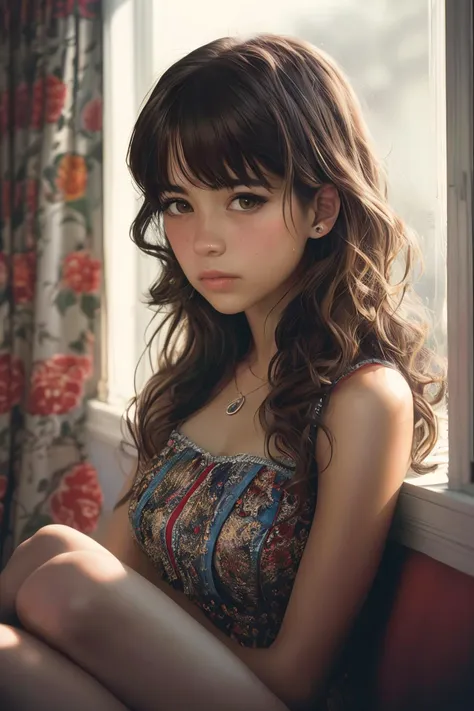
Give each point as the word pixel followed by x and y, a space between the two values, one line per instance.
pixel 50 264
pixel 78 499
pixel 57 384
pixel 81 273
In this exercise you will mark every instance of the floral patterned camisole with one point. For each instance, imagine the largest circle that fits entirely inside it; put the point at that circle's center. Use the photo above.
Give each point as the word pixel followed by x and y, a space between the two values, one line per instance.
pixel 225 531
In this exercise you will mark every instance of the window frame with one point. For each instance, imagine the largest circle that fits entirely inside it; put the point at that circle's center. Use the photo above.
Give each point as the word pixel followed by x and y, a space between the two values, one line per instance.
pixel 460 156
pixel 435 514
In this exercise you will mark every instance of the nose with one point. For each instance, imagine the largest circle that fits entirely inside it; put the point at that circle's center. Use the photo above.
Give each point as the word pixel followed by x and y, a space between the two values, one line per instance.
pixel 208 241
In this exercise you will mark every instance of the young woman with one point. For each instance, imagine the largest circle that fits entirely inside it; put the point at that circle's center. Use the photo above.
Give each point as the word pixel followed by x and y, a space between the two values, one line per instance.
pixel 292 396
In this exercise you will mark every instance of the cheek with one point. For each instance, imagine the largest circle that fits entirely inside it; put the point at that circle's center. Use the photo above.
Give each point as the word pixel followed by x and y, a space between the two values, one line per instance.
pixel 273 241
pixel 179 240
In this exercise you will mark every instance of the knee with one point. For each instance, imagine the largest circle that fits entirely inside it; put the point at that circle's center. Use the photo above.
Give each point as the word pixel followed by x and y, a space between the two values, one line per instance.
pixel 43 545
pixel 64 598
pixel 50 541
pixel 47 543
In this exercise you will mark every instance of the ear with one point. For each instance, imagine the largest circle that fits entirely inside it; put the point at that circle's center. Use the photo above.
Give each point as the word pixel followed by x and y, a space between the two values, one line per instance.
pixel 327 205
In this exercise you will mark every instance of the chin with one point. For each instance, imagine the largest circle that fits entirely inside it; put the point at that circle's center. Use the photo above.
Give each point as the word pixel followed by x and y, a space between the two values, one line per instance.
pixel 228 306
pixel 227 309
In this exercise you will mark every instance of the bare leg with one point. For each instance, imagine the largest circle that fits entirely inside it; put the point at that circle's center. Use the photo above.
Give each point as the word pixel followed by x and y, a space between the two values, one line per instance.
pixel 132 638
pixel 47 543
pixel 34 677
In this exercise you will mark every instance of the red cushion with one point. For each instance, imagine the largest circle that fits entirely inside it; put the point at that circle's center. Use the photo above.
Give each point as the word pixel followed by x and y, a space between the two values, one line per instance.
pixel 425 654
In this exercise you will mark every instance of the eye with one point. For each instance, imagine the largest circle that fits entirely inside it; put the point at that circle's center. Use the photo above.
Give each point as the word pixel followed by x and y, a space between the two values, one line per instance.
pixel 246 203
pixel 176 207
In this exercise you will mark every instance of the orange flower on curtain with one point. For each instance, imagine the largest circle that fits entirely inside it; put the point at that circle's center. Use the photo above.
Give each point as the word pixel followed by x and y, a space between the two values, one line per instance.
pixel 71 177
pixel 50 262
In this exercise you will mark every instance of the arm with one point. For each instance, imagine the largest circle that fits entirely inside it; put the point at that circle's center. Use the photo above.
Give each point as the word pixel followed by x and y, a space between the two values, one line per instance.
pixel 371 419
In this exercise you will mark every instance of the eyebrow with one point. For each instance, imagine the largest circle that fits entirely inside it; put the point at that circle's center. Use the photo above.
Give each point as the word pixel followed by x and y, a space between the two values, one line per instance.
pixel 233 183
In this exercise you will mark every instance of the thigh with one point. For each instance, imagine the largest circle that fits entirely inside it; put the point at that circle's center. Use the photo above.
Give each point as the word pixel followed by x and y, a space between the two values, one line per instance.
pixel 34 677
pixel 134 639
pixel 48 542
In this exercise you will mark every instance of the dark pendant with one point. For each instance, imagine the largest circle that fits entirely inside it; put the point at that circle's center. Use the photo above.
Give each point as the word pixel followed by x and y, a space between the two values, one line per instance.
pixel 235 405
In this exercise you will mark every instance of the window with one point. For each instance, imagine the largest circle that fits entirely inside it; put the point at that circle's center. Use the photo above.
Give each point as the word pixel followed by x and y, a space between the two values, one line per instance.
pixel 411 65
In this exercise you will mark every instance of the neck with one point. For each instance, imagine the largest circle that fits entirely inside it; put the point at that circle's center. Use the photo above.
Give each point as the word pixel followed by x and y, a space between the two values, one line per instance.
pixel 262 326
pixel 263 319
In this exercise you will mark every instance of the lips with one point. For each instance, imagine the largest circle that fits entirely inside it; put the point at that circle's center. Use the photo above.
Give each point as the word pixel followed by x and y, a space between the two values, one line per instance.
pixel 211 275
pixel 218 281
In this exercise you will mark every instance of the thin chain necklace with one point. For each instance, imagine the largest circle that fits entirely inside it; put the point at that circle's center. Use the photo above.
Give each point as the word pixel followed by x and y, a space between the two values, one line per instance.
pixel 255 374
pixel 237 404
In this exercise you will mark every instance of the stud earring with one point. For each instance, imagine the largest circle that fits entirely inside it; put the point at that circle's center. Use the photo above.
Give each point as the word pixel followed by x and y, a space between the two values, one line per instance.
pixel 319 228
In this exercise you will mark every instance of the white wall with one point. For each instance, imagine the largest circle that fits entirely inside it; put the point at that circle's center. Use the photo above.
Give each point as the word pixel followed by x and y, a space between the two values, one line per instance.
pixel 106 453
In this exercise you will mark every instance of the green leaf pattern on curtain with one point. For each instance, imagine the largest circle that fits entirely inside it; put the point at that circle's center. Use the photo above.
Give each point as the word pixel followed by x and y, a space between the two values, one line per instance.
pixel 50 261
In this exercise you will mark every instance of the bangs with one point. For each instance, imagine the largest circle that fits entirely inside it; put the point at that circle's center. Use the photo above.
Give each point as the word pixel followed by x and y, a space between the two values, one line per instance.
pixel 217 134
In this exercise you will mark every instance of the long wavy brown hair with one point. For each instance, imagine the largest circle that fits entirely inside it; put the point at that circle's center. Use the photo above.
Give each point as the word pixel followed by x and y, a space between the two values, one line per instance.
pixel 276 106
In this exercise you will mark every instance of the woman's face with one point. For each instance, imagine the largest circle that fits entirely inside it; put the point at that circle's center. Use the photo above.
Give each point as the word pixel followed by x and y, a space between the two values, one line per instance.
pixel 233 245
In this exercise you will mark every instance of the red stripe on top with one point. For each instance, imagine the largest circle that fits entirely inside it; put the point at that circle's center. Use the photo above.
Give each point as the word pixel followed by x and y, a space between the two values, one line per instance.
pixel 174 516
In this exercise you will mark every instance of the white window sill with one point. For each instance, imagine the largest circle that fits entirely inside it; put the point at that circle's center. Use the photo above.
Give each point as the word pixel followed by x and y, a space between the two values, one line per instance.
pixel 437 521
pixel 430 518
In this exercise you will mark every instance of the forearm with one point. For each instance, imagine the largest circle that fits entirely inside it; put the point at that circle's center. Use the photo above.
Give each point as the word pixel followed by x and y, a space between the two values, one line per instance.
pixel 266 664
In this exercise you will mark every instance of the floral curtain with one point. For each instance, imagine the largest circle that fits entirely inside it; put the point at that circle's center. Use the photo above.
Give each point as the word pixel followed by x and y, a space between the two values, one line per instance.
pixel 50 262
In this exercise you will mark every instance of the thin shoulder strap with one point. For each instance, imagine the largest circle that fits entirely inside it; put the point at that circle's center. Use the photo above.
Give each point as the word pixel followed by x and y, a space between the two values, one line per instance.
pixel 350 371
pixel 357 366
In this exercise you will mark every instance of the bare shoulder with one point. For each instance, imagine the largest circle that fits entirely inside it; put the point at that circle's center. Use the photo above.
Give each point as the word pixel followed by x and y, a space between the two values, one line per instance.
pixel 372 390
pixel 372 405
